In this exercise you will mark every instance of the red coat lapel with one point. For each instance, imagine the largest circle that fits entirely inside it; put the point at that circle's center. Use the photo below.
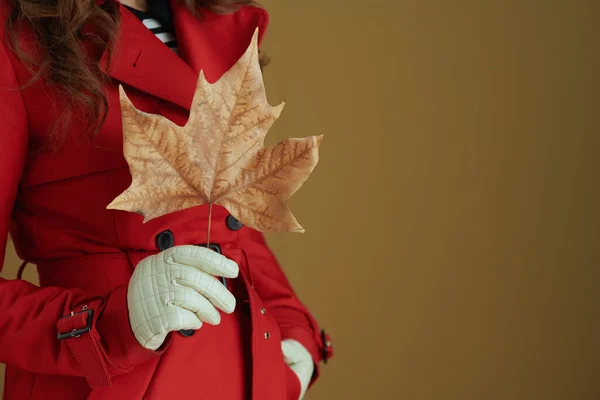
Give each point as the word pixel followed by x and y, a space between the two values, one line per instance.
pixel 212 43
pixel 141 60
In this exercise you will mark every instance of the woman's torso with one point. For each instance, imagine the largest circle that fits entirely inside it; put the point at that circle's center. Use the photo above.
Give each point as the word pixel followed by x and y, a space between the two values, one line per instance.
pixel 60 217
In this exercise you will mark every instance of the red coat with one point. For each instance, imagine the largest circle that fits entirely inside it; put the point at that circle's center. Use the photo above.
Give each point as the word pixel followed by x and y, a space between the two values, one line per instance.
pixel 54 204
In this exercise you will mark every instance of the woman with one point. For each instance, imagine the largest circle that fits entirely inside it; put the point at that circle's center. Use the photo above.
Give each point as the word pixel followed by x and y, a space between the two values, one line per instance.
pixel 129 310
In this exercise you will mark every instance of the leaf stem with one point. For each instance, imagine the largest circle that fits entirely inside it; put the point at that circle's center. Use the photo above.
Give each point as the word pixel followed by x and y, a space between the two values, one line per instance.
pixel 209 223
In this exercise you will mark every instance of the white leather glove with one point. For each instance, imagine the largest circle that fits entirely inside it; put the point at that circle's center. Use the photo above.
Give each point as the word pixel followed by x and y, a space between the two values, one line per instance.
pixel 177 289
pixel 300 361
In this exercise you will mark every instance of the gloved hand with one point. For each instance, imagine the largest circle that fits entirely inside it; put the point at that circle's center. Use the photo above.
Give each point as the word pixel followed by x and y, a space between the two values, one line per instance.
pixel 300 361
pixel 177 289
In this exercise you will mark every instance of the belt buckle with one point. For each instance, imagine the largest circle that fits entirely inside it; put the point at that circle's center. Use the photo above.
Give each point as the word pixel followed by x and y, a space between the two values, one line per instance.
pixel 80 331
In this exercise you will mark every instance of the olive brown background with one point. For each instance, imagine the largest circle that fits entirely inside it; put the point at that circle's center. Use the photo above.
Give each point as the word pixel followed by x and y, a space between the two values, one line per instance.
pixel 452 246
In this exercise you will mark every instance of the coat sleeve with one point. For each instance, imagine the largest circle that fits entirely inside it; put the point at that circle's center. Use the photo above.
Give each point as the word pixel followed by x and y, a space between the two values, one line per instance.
pixel 293 318
pixel 30 316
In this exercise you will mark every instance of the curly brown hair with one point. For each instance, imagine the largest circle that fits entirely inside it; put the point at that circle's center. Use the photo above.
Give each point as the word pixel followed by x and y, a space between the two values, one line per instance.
pixel 60 28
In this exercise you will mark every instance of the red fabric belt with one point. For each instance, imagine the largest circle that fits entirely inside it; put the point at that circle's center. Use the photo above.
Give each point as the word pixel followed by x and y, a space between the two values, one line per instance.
pixel 92 273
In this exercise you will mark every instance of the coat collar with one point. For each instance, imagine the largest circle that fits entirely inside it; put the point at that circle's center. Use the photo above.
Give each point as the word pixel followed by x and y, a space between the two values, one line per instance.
pixel 141 60
pixel 212 43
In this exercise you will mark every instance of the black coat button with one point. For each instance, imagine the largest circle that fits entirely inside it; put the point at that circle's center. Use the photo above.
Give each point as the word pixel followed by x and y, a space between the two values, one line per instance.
pixel 165 240
pixel 233 223
pixel 187 332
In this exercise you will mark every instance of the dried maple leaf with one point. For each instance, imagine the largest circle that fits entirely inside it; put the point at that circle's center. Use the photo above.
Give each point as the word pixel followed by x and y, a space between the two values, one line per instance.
pixel 218 156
